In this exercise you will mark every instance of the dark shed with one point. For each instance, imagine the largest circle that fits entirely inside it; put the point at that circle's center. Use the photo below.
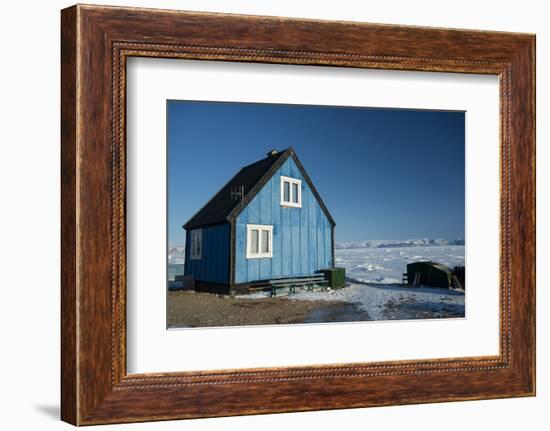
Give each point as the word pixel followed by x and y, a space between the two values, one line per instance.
pixel 429 274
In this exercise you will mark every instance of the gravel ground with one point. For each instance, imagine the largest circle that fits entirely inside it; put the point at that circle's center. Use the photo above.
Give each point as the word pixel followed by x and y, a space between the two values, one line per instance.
pixel 192 309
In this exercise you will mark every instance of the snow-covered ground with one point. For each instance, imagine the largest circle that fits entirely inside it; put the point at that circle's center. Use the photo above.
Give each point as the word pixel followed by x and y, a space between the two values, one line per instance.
pixel 386 265
pixel 394 302
pixel 375 269
pixel 389 302
pixel 374 272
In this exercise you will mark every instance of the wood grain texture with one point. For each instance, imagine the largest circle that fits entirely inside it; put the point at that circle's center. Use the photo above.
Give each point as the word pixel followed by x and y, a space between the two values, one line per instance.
pixel 69 397
pixel 96 41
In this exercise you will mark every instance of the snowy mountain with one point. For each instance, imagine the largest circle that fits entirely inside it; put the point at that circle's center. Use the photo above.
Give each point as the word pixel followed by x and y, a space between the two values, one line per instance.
pixel 396 243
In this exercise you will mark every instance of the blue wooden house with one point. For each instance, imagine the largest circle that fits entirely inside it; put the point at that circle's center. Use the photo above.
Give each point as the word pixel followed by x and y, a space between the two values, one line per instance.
pixel 267 223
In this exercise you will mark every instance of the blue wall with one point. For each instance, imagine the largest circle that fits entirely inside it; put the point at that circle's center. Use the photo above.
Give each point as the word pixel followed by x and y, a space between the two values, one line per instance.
pixel 213 266
pixel 301 236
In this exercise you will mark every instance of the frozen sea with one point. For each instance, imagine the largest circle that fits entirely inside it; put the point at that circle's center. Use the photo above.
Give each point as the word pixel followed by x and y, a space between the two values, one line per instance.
pixel 374 272
pixel 386 265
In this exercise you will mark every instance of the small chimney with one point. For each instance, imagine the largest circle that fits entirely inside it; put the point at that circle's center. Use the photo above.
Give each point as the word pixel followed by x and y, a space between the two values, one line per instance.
pixel 272 153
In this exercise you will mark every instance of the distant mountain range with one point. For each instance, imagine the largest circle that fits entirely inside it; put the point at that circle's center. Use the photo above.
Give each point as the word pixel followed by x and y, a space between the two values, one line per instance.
pixel 176 255
pixel 396 243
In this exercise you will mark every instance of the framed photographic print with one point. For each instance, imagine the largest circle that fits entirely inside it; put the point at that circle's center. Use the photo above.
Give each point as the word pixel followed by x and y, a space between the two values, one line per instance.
pixel 268 215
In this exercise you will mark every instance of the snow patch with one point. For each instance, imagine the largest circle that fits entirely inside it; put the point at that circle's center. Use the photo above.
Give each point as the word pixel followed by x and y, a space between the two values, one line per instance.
pixel 394 302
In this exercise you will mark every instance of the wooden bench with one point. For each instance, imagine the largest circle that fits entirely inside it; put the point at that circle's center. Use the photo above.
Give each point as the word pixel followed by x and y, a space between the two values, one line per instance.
pixel 286 286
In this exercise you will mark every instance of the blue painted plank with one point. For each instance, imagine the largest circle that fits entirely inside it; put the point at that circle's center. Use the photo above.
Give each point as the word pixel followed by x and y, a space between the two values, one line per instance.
pixel 293 169
pixel 286 252
pixel 265 203
pixel 254 211
pixel 214 263
pixel 285 218
pixel 186 268
pixel 285 168
pixel 243 216
pixel 320 249
pixel 295 216
pixel 265 269
pixel 241 267
pixel 199 265
pixel 296 253
pixel 253 269
pixel 224 255
pixel 216 238
pixel 304 250
pixel 294 250
pixel 313 249
pixel 328 248
pixel 312 210
pixel 213 243
pixel 202 262
pixel 276 200
pixel 219 244
pixel 305 206
pixel 205 260
pixel 208 251
pixel 222 244
pixel 277 261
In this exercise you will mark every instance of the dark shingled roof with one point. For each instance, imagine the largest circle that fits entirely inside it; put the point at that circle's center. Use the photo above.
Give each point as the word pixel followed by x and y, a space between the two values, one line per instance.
pixel 218 209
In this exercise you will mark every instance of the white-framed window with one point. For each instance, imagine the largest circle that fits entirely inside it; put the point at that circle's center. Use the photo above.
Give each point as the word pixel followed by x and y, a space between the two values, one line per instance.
pixel 259 241
pixel 196 244
pixel 291 192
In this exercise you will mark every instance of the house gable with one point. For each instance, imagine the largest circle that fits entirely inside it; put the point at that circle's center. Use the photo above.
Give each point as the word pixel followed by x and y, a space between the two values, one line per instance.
pixel 293 169
pixel 302 236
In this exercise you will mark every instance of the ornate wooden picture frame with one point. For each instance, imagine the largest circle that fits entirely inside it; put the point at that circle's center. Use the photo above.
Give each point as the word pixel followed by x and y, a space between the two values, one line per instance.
pixel 96 42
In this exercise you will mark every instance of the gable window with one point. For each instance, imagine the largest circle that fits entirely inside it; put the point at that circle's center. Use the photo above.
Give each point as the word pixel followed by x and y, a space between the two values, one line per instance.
pixel 259 241
pixel 196 243
pixel 291 192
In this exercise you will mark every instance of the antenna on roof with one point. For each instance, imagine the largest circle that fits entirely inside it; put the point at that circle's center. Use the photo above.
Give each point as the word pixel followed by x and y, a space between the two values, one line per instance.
pixel 237 193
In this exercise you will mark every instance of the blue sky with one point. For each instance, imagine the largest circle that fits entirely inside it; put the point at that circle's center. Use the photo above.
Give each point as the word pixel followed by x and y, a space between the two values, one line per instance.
pixel 382 173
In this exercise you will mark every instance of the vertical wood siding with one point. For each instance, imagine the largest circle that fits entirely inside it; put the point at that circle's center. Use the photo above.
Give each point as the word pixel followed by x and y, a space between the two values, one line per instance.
pixel 302 240
pixel 213 266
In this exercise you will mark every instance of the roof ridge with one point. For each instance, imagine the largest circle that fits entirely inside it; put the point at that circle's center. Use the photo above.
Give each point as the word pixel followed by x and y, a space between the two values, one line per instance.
pixel 212 197
pixel 281 156
pixel 217 209
pixel 287 153
pixel 278 154
pixel 223 208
